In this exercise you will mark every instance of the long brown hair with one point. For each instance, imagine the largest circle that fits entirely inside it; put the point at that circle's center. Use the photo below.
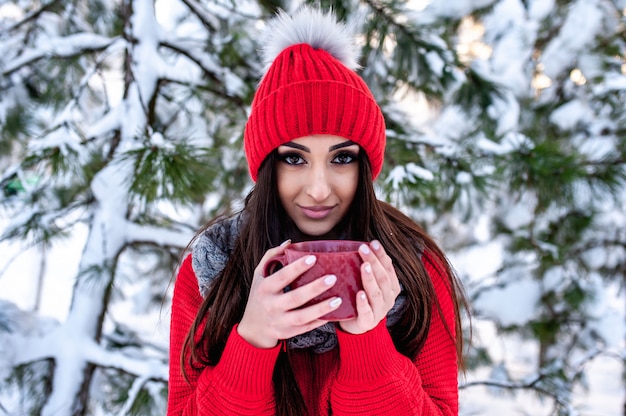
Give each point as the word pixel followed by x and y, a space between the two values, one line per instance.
pixel 267 225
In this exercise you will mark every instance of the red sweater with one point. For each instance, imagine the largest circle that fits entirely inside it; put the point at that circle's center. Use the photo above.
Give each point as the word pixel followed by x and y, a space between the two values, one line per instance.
pixel 366 375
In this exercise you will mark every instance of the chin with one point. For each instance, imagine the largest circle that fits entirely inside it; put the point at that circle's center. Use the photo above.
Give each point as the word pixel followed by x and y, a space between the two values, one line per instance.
pixel 315 231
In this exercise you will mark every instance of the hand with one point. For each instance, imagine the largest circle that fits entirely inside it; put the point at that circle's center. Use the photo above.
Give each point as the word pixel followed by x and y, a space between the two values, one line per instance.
pixel 272 314
pixel 381 288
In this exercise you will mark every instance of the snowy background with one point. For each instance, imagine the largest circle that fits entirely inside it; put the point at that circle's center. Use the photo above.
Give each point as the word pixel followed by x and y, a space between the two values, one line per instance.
pixel 523 185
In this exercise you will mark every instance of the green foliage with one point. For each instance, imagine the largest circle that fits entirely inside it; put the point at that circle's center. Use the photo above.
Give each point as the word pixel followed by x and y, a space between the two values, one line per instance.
pixel 107 21
pixel 545 330
pixel 13 185
pixel 56 160
pixel 180 173
pixel 547 169
pixel 272 6
pixel 96 273
pixel 458 182
pixel 96 161
pixel 476 95
pixel 341 8
pixel 478 357
pixel 35 226
pixel 16 125
pixel 147 400
pixel 48 82
pixel 31 383
pixel 411 53
pixel 564 233
pixel 145 403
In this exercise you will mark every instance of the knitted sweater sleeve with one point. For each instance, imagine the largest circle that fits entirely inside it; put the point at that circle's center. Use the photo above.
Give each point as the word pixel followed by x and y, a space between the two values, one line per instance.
pixel 240 384
pixel 375 379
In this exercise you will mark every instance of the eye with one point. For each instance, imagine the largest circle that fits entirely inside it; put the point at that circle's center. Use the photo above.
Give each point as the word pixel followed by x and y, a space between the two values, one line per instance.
pixel 344 158
pixel 291 158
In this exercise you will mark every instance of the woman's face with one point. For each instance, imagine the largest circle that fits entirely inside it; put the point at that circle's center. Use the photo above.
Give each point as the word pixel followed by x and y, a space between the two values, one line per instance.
pixel 317 180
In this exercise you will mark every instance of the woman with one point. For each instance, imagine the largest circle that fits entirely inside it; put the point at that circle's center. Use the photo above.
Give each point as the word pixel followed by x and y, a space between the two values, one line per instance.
pixel 240 344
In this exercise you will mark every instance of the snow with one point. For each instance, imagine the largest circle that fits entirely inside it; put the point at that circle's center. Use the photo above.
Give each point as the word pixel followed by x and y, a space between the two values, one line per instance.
pixel 608 311
pixel 71 293
pixel 507 112
pixel 510 30
pixel 502 305
pixel 65 46
pixel 577 33
pixel 570 114
pixel 612 83
pixel 409 172
pixel 456 8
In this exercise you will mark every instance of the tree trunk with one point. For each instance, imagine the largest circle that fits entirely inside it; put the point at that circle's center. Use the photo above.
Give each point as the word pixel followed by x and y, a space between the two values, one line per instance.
pixel 73 373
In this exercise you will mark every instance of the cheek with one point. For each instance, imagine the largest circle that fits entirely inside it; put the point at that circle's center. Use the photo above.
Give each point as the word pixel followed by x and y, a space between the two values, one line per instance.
pixel 350 184
pixel 355 178
pixel 285 185
pixel 281 181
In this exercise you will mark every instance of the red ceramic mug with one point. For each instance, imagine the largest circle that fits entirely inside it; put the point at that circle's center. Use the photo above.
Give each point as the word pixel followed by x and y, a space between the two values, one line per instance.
pixel 338 257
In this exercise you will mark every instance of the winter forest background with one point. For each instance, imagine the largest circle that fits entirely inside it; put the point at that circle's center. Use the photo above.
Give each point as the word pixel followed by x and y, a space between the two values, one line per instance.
pixel 120 133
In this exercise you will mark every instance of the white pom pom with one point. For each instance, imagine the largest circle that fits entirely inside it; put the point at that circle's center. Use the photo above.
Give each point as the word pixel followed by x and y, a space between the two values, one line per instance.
pixel 313 27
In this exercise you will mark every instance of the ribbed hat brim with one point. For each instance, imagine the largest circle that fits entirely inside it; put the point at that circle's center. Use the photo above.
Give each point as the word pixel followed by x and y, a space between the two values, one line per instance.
pixel 315 107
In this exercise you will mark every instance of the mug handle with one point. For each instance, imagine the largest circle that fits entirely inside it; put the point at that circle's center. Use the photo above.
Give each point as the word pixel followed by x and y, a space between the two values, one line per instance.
pixel 274 264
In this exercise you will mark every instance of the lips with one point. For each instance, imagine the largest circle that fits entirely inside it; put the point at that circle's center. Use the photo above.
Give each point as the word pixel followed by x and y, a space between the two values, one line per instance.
pixel 316 212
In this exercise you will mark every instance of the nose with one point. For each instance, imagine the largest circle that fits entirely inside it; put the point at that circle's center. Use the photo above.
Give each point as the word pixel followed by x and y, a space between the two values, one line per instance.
pixel 319 186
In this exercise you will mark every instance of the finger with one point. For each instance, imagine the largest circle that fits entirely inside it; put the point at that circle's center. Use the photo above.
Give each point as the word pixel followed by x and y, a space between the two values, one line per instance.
pixel 283 277
pixel 371 286
pixel 375 254
pixel 368 255
pixel 274 251
pixel 303 294
pixel 363 307
pixel 387 264
pixel 381 255
pixel 385 276
pixel 311 314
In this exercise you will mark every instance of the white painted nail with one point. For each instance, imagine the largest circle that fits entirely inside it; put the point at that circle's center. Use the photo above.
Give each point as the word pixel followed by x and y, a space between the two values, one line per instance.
pixel 310 260
pixel 368 268
pixel 364 249
pixel 331 279
pixel 284 243
pixel 376 245
pixel 335 302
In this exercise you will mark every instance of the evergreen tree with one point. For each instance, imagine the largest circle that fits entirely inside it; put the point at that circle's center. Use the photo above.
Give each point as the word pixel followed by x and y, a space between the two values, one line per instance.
pixel 124 119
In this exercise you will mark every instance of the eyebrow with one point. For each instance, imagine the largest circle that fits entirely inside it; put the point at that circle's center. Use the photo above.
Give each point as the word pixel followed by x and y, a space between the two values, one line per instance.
pixel 330 149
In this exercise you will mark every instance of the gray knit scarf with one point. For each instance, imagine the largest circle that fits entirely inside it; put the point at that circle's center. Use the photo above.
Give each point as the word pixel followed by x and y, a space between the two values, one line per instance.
pixel 210 254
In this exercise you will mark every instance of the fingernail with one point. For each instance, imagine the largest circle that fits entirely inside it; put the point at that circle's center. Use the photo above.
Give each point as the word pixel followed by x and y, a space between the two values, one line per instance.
pixel 364 249
pixel 309 260
pixel 368 268
pixel 331 279
pixel 363 296
pixel 375 245
pixel 284 243
pixel 335 302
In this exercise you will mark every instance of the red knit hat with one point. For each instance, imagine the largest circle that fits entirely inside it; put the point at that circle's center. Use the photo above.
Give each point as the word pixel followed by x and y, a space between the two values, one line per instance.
pixel 310 87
